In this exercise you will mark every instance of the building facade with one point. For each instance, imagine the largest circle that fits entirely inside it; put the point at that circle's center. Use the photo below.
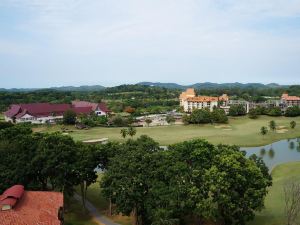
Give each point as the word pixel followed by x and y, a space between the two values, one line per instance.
pixel 41 113
pixel 189 101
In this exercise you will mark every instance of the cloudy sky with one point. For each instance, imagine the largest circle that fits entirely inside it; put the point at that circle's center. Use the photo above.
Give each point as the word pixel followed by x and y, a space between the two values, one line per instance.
pixel 47 43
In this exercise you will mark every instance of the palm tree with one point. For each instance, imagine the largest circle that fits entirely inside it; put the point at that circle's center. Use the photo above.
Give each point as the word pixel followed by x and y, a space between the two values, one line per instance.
pixel 148 121
pixel 272 125
pixel 124 133
pixel 131 131
pixel 263 131
pixel 293 124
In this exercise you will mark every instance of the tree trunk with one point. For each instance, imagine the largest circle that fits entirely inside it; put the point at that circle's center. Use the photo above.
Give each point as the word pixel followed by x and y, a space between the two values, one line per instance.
pixel 110 207
pixel 82 193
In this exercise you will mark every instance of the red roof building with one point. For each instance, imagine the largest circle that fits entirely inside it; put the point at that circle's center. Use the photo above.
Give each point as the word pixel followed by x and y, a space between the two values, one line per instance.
pixel 49 113
pixel 288 100
pixel 19 207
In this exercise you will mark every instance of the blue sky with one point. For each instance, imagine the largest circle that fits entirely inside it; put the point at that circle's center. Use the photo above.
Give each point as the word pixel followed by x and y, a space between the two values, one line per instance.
pixel 47 43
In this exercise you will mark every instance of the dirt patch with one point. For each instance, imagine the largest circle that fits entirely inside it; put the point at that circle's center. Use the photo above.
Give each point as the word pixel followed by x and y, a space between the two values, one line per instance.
pixel 227 129
pixel 281 127
pixel 222 126
pixel 281 131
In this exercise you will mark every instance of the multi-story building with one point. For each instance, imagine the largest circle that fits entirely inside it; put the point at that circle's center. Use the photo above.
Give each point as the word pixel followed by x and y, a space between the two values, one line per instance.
pixel 289 101
pixel 189 101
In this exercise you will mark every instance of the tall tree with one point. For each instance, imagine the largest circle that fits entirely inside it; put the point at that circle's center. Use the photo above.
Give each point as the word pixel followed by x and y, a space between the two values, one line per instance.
pixel 272 125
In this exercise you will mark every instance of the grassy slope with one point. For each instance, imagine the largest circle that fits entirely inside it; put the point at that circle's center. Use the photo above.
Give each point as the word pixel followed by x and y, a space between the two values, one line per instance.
pixel 244 132
pixel 273 214
pixel 76 215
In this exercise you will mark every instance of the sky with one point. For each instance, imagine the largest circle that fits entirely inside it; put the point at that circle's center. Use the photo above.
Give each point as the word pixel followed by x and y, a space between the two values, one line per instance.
pixel 46 43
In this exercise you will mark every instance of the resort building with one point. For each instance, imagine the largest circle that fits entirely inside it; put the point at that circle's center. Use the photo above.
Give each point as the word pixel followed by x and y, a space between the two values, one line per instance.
pixel 40 113
pixel 289 101
pixel 20 207
pixel 189 101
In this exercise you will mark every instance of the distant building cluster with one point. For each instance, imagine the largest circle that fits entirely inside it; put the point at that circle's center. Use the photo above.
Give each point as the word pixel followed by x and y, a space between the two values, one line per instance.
pixel 41 113
pixel 190 101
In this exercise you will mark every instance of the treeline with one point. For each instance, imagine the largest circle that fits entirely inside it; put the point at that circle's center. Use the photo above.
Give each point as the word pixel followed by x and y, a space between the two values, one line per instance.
pixel 141 97
pixel 202 116
pixel 192 180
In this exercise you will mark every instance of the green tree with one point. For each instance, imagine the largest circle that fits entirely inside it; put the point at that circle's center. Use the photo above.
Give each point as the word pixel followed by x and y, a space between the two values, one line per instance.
pixel 253 114
pixel 148 121
pixel 275 111
pixel 124 133
pixel 170 119
pixel 219 116
pixel 131 131
pixel 69 117
pixel 237 110
pixel 293 124
pixel 272 125
pixel 199 116
pixel 292 111
pixel 263 130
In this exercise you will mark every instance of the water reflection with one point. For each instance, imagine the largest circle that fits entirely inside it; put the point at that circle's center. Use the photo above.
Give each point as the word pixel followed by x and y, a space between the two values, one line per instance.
pixel 277 152
pixel 292 145
pixel 262 152
pixel 271 153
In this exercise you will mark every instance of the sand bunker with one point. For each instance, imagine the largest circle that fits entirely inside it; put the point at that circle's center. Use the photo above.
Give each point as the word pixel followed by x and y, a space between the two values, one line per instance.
pixel 223 126
pixel 281 127
pixel 281 131
pixel 227 129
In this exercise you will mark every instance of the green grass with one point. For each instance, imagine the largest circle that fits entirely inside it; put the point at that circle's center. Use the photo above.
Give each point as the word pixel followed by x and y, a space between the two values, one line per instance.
pixel 97 199
pixel 273 214
pixel 242 131
pixel 76 215
pixel 1 116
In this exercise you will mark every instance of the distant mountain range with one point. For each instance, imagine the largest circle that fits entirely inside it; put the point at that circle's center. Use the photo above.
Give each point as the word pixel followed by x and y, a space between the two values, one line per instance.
pixel 205 85
pixel 63 88
pixel 208 85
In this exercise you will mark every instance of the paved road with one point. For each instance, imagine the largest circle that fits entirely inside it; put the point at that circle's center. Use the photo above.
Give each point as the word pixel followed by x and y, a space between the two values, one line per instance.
pixel 95 213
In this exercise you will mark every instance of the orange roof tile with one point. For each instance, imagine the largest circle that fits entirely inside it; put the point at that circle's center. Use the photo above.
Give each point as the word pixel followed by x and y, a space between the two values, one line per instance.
pixel 290 98
pixel 34 208
pixel 203 99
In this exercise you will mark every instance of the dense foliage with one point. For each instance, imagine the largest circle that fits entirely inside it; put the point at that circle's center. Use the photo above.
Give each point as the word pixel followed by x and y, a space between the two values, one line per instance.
pixel 195 178
pixel 237 110
pixel 200 116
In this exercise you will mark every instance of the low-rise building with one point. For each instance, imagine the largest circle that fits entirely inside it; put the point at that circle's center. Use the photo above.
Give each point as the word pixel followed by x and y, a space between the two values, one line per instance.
pixel 189 101
pixel 40 113
pixel 19 207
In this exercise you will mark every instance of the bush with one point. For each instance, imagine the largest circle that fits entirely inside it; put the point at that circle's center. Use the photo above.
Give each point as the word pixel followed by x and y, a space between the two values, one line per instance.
pixel 237 110
pixel 200 116
pixel 219 116
pixel 292 111
pixel 253 114
pixel 4 125
pixel 275 111
pixel 69 117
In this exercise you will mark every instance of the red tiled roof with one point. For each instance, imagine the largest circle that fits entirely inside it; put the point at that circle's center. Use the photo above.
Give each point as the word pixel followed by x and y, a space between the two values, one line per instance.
pixel 102 106
pixel 290 98
pixel 34 208
pixel 13 111
pixel 82 110
pixel 15 191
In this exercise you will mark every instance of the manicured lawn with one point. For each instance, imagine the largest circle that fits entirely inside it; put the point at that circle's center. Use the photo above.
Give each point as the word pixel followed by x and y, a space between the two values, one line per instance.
pixel 76 215
pixel 240 131
pixel 273 214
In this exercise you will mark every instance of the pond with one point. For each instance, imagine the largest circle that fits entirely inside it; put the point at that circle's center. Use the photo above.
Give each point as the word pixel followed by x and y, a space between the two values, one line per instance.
pixel 278 152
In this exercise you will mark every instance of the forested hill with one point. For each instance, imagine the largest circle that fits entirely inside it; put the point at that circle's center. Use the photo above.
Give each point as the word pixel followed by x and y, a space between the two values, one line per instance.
pixel 209 85
pixel 63 88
